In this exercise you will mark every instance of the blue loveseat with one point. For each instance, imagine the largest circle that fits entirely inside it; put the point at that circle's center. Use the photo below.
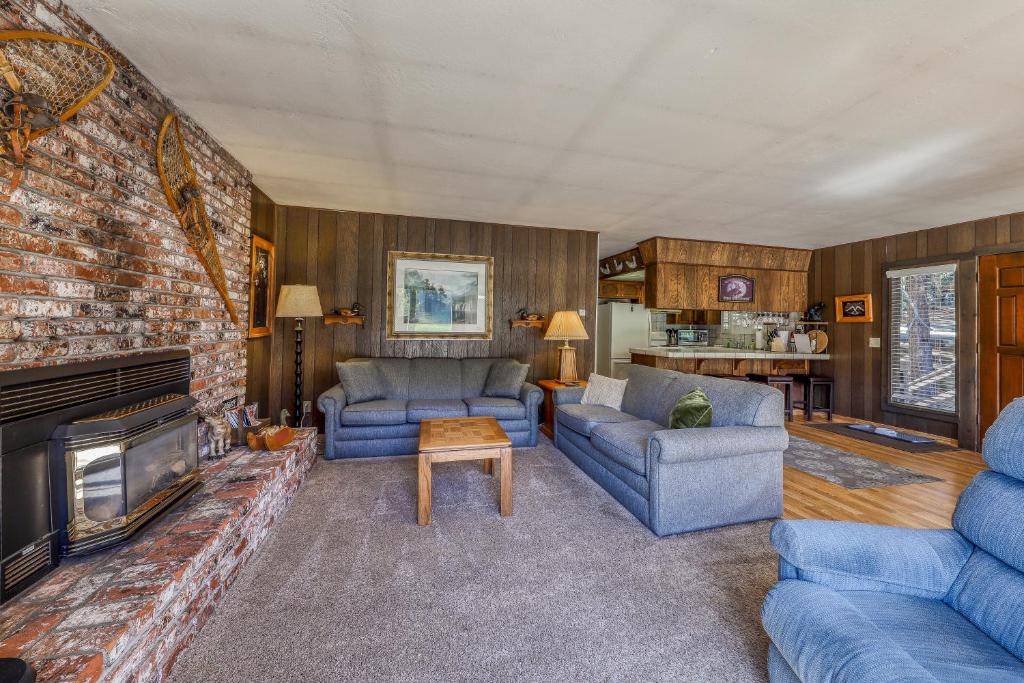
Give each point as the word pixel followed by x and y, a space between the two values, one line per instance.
pixel 677 480
pixel 859 602
pixel 418 389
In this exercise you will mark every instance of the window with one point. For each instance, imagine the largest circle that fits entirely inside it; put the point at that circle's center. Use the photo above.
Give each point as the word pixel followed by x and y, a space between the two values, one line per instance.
pixel 922 337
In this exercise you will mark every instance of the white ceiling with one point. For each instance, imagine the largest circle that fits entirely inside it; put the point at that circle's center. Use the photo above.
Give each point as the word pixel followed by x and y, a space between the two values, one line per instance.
pixel 792 122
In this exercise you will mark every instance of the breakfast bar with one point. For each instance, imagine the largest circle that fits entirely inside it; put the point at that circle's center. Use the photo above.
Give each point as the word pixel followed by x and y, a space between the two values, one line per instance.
pixel 719 360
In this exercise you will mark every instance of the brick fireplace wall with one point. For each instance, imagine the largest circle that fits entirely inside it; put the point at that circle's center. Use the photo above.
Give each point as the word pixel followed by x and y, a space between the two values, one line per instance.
pixel 92 261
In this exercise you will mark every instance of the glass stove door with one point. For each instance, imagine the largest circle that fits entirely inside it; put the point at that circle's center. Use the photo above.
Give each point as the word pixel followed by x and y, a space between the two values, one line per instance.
pixel 155 460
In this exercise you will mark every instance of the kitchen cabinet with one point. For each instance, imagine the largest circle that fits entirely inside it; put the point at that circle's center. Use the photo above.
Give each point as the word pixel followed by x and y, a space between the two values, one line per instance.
pixel 621 289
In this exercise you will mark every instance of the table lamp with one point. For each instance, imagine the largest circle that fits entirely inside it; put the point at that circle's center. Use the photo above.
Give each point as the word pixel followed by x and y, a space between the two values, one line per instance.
pixel 566 326
pixel 298 301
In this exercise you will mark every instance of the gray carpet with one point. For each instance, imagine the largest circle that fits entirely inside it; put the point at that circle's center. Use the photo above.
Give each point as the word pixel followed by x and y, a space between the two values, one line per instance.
pixel 847 469
pixel 571 587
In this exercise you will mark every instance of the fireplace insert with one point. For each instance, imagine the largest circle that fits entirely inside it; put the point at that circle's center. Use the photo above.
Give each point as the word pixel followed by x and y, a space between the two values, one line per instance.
pixel 89 452
pixel 123 468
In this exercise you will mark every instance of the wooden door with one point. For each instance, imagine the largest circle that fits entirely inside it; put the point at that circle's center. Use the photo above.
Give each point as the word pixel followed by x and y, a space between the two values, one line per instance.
pixel 1000 334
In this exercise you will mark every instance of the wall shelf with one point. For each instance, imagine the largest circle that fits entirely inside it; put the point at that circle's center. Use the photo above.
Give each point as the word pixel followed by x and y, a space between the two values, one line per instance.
pixel 335 319
pixel 539 324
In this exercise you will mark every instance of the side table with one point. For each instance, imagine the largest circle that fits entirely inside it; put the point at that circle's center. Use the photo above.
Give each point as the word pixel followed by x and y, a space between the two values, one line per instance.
pixel 550 386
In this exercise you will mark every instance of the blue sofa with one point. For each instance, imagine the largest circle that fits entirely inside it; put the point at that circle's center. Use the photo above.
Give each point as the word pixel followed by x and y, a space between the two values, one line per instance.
pixel 858 602
pixel 419 389
pixel 677 480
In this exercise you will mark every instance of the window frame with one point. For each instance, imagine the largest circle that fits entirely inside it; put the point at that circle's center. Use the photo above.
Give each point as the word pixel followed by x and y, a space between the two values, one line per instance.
pixel 899 408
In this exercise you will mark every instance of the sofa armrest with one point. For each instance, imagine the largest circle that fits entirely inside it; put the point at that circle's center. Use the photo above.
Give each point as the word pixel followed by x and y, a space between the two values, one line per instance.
pixel 853 556
pixel 531 395
pixel 331 402
pixel 711 443
pixel 568 395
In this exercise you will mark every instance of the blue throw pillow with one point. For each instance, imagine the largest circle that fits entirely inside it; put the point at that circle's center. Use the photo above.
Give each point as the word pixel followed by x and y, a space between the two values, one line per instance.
pixel 361 381
pixel 505 379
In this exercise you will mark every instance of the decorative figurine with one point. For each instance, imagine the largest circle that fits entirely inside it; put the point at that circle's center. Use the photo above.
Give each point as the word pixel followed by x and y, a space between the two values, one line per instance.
pixel 217 435
pixel 523 315
pixel 357 308
pixel 814 312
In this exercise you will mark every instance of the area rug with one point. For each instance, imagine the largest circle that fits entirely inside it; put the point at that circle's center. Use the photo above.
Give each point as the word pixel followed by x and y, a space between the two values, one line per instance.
pixel 848 469
pixel 844 429
pixel 570 587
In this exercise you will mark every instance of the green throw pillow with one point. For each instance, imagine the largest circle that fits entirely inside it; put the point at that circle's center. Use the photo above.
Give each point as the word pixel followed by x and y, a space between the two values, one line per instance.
pixel 691 410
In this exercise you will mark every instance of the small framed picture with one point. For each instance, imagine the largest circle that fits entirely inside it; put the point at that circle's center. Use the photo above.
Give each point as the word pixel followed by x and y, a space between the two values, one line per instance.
pixel 854 308
pixel 736 289
pixel 261 288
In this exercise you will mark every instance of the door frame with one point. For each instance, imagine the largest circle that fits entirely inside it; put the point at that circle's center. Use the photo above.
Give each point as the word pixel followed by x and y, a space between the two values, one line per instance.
pixel 987 251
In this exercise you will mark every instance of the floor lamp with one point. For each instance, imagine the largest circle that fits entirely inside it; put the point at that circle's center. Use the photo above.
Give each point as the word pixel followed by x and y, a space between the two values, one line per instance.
pixel 298 301
pixel 566 326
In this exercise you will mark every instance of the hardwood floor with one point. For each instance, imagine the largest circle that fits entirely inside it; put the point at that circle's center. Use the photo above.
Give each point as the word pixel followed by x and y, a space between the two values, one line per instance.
pixel 916 505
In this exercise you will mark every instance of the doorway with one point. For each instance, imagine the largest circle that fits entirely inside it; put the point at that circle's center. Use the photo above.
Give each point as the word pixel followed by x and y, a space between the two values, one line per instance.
pixel 1000 334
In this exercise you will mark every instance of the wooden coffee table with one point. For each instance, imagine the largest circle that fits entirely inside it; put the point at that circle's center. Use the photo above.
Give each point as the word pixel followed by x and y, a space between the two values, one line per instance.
pixel 464 438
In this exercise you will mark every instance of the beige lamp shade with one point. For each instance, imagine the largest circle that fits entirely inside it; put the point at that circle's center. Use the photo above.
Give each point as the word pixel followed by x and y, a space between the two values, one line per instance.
pixel 565 326
pixel 298 301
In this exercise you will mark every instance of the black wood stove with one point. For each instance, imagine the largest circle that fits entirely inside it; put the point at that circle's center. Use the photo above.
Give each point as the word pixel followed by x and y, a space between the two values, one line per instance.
pixel 89 453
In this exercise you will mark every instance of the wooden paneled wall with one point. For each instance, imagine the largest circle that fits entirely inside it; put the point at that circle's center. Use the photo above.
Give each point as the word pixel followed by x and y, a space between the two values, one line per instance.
pixel 345 255
pixel 859 370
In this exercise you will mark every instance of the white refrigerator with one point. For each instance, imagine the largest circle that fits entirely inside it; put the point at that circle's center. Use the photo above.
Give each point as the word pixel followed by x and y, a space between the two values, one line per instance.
pixel 620 326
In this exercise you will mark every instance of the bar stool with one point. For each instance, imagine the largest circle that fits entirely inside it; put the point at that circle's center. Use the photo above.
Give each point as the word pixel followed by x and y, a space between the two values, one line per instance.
pixel 783 383
pixel 810 383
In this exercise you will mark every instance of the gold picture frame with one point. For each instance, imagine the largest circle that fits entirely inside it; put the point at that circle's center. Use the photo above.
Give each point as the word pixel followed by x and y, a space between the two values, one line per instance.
pixel 854 308
pixel 261 288
pixel 440 296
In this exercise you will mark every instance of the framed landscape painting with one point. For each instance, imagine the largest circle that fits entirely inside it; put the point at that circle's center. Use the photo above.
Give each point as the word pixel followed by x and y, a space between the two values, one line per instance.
pixel 261 288
pixel 439 296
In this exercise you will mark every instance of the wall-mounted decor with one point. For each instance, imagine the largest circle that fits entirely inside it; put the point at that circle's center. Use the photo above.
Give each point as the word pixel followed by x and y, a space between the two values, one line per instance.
pixel 47 79
pixel 181 185
pixel 854 308
pixel 626 262
pixel 736 289
pixel 439 296
pixel 261 288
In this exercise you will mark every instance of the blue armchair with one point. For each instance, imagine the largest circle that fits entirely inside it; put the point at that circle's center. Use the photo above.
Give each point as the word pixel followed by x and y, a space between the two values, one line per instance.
pixel 857 602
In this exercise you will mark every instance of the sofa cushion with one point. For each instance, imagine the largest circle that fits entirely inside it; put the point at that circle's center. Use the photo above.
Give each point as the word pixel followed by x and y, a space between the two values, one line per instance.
pixel 991 595
pixel 1001 447
pixel 435 378
pixel 693 409
pixel 380 412
pixel 625 442
pixel 505 379
pixel 583 418
pixel 395 372
pixel 647 393
pixel 361 381
pixel 954 649
pixel 990 514
pixel 474 375
pixel 500 408
pixel 824 636
pixel 431 409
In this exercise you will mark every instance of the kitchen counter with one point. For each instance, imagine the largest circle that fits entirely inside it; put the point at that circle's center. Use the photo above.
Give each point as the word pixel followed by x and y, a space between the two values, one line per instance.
pixel 716 352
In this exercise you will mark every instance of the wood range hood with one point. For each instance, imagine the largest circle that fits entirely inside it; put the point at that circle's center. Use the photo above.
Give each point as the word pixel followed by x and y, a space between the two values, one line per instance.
pixel 683 274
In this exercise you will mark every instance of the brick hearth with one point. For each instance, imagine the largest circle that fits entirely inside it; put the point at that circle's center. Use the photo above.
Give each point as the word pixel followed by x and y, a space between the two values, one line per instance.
pixel 126 614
